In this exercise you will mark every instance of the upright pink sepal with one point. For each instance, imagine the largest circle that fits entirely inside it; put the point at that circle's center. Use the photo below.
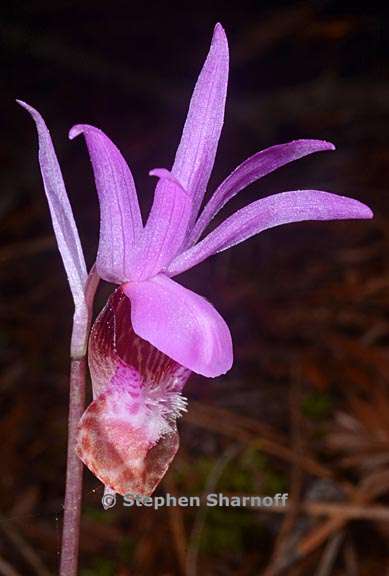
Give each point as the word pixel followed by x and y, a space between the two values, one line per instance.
pixel 65 231
pixel 197 149
pixel 65 228
pixel 120 217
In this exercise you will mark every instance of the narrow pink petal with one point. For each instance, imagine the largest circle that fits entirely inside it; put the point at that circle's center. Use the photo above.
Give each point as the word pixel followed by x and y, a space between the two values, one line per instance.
pixel 253 169
pixel 165 230
pixel 61 213
pixel 181 324
pixel 128 435
pixel 196 152
pixel 120 217
pixel 267 213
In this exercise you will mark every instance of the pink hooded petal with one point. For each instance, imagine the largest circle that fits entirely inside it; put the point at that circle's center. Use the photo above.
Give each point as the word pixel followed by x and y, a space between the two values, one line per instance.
pixel 181 324
pixel 128 436
pixel 267 213
pixel 249 171
pixel 165 230
pixel 120 217
pixel 61 213
pixel 196 152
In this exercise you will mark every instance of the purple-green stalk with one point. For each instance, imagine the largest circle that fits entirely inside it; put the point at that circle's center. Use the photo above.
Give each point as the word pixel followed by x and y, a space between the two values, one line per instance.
pixel 74 472
pixel 74 466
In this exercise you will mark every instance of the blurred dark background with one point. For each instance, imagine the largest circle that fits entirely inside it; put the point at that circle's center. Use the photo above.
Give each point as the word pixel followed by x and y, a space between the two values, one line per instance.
pixel 305 409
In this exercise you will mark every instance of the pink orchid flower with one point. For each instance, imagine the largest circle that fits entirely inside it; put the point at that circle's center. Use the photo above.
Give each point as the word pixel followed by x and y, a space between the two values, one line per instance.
pixel 153 332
